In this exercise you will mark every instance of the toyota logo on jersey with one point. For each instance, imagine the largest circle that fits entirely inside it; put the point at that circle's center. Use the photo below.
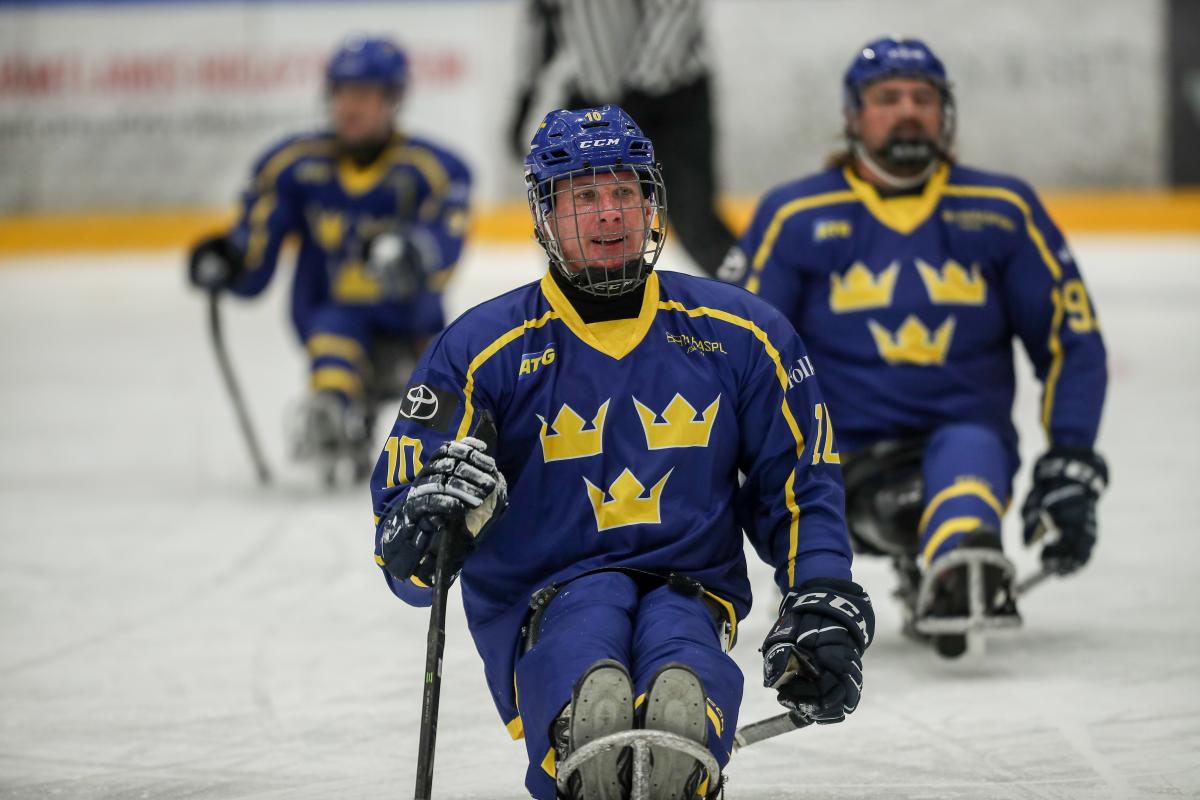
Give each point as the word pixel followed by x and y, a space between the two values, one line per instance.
pixel 420 403
pixel 429 406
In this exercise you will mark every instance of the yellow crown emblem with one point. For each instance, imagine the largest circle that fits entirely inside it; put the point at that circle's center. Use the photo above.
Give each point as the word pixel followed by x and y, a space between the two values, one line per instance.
pixel 354 284
pixel 913 343
pixel 569 439
pixel 679 427
pixel 627 506
pixel 859 288
pixel 953 284
pixel 330 230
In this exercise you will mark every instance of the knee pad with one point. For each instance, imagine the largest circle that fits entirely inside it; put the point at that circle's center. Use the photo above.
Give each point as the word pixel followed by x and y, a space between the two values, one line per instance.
pixel 393 359
pixel 884 487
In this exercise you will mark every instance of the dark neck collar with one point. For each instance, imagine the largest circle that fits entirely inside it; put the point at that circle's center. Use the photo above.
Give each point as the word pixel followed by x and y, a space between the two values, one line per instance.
pixel 599 309
pixel 364 154
pixel 912 191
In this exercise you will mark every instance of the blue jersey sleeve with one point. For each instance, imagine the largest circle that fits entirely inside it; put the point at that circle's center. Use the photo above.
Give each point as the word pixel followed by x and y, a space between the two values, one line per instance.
pixel 441 224
pixel 760 261
pixel 431 412
pixel 791 503
pixel 1052 313
pixel 270 210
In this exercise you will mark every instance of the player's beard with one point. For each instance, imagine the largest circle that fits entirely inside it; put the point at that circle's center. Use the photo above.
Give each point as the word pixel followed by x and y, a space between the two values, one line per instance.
pixel 364 151
pixel 907 155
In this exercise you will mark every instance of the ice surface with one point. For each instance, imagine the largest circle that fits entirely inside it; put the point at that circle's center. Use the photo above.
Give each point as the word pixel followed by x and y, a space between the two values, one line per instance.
pixel 169 630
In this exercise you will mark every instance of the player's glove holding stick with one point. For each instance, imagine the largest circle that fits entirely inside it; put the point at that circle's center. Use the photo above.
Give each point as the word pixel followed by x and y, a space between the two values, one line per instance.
pixel 813 654
pixel 1061 507
pixel 459 485
pixel 215 263
pixel 397 261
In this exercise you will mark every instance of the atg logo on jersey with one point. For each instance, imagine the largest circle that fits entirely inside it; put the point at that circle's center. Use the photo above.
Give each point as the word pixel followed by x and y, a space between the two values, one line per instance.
pixel 831 229
pixel 532 362
pixel 598 143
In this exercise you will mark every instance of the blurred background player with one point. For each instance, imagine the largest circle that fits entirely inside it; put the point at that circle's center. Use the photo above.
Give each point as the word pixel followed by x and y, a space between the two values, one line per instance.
pixel 909 276
pixel 380 216
pixel 606 516
pixel 650 58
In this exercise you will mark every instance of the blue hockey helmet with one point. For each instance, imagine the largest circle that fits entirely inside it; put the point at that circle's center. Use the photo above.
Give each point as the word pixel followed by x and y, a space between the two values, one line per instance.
pixel 368 59
pixel 897 57
pixel 892 57
pixel 573 146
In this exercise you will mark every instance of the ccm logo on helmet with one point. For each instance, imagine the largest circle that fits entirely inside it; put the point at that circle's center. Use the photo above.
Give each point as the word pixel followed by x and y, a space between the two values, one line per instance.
pixel 906 52
pixel 598 143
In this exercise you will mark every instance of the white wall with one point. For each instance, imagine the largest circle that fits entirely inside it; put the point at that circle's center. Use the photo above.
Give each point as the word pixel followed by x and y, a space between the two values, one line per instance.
pixel 1064 92
pixel 138 105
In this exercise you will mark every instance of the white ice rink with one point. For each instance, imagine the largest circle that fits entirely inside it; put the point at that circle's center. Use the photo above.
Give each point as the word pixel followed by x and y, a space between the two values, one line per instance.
pixel 170 630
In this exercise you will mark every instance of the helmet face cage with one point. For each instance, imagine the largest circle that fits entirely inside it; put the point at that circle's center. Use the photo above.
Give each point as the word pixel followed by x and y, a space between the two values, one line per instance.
pixel 602 227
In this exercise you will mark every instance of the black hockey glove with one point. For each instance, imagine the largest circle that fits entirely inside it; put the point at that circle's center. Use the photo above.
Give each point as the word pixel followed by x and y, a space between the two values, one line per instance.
pixel 1061 506
pixel 458 488
pixel 215 264
pixel 397 262
pixel 813 654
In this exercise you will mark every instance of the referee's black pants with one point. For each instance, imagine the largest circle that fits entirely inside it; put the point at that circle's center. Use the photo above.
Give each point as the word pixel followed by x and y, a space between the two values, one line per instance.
pixel 680 124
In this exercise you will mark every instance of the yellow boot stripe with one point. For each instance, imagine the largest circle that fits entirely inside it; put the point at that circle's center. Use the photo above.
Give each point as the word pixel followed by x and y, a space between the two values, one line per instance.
pixel 945 531
pixel 960 488
pixel 338 379
pixel 714 719
pixel 330 344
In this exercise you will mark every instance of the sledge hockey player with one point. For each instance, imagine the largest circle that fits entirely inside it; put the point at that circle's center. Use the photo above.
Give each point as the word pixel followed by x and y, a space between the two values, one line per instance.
pixel 909 276
pixel 606 574
pixel 380 218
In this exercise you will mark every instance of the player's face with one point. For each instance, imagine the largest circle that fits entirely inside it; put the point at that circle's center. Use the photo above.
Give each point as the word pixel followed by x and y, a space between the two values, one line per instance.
pixel 361 112
pixel 601 220
pixel 898 108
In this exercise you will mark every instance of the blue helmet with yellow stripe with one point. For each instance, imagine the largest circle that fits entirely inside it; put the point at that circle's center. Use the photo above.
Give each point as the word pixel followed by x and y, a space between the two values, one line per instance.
pixel 590 146
pixel 368 59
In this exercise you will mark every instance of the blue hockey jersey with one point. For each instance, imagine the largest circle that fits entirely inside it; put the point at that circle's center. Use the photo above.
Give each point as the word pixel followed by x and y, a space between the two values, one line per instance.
pixel 912 303
pixel 303 186
pixel 622 443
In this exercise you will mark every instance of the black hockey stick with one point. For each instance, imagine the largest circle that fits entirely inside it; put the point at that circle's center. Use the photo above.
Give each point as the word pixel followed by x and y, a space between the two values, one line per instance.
pixel 795 719
pixel 770 727
pixel 1033 580
pixel 235 394
pixel 435 644
pixel 1050 535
